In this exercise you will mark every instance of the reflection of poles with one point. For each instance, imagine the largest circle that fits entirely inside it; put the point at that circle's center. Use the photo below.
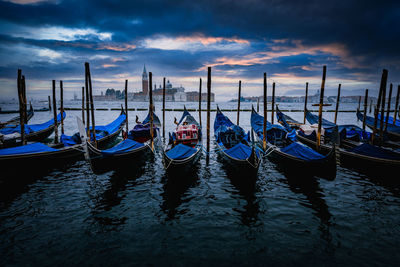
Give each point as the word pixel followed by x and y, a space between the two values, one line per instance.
pixel 337 102
pixel 365 108
pixel 265 113
pixel 321 103
pixel 238 108
pixel 388 106
pixel 396 106
pixel 376 111
pixel 208 110
pixel 55 113
pixel 83 105
pixel 62 106
pixel 200 102
pixel 151 110
pixel 305 103
pixel 126 105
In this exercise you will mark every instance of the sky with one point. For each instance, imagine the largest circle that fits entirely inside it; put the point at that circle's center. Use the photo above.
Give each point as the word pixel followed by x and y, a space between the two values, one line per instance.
pixel 240 40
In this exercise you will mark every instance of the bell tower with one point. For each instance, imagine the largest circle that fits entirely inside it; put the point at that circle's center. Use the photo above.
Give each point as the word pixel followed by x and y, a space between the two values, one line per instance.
pixel 145 81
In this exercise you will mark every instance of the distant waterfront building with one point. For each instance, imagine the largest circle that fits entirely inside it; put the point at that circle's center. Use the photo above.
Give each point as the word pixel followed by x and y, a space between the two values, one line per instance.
pixel 172 94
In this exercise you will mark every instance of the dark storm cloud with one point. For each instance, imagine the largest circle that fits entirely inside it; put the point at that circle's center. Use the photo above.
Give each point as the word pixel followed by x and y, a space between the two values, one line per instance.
pixel 356 39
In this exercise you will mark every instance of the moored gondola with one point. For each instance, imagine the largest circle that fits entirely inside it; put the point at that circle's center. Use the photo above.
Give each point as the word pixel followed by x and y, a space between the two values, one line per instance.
pixel 184 145
pixel 34 157
pixel 106 135
pixel 33 132
pixel 16 120
pixel 127 154
pixel 363 157
pixel 295 158
pixel 234 146
pixel 392 130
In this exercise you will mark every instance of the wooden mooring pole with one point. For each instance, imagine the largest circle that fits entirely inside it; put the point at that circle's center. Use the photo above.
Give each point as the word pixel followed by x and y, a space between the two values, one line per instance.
pixel 163 107
pixel 49 103
pixel 305 103
pixel 388 106
pixel 25 102
pixel 83 105
pixel 151 110
pixel 381 126
pixel 265 112
pixel 273 103
pixel 258 104
pixel 396 106
pixel 376 111
pixel 337 102
pixel 208 110
pixel 62 106
pixel 321 102
pixel 89 78
pixel 55 113
pixel 126 106
pixel 365 108
pixel 239 96
pixel 200 102
pixel 21 111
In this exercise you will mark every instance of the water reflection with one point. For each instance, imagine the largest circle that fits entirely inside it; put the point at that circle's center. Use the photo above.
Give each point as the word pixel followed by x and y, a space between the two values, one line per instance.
pixel 310 188
pixel 174 194
pixel 116 191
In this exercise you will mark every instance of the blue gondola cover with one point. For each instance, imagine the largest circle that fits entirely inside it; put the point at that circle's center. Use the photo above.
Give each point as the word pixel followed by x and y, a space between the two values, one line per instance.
pixel 123 147
pixel 300 151
pixel 31 128
pixel 239 151
pixel 27 149
pixel 181 152
pixel 374 151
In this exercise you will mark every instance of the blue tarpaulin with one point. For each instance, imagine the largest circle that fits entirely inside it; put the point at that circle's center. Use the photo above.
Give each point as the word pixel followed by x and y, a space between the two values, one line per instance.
pixel 111 127
pixel 390 120
pixel 374 151
pixel 181 152
pixel 101 131
pixel 300 151
pixel 27 149
pixel 370 121
pixel 257 122
pixel 239 151
pixel 70 140
pixel 123 147
pixel 31 128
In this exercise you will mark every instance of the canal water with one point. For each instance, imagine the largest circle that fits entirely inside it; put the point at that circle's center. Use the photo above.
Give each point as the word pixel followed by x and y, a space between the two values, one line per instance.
pixel 71 216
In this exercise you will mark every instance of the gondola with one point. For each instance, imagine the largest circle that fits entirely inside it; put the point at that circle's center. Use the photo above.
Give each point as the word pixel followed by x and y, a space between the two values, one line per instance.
pixel 106 135
pixel 347 132
pixel 33 132
pixel 35 157
pixel 234 146
pixel 362 157
pixel 125 155
pixel 184 146
pixel 295 158
pixel 392 130
pixel 16 120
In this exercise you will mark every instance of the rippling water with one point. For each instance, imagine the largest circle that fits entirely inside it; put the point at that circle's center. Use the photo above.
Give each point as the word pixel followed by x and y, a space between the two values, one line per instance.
pixel 72 216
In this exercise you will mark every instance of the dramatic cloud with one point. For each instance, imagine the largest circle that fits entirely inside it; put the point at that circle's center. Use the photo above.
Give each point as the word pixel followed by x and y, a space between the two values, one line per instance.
pixel 240 39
